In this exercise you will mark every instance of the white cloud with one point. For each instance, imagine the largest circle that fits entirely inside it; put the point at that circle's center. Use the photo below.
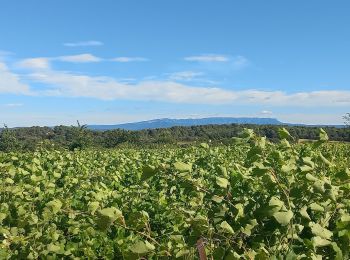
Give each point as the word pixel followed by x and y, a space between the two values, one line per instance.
pixel 83 44
pixel 266 113
pixel 80 58
pixel 34 63
pixel 129 59
pixel 208 58
pixel 68 84
pixel 185 75
pixel 10 82
pixel 75 85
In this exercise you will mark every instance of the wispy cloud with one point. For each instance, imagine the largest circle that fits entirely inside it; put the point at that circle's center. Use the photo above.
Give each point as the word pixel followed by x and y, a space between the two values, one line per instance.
pixel 185 75
pixel 5 53
pixel 311 118
pixel 13 105
pixel 298 99
pixel 83 44
pixel 34 63
pixel 129 59
pixel 222 62
pixel 80 58
pixel 44 62
pixel 239 62
pixel 10 82
pixel 208 58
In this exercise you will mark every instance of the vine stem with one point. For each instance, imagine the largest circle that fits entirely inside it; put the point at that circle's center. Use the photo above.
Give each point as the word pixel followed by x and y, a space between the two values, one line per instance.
pixel 201 249
pixel 280 186
pixel 140 233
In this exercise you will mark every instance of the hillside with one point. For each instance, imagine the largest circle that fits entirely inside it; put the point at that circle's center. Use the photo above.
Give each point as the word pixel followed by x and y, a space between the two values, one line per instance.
pixel 168 122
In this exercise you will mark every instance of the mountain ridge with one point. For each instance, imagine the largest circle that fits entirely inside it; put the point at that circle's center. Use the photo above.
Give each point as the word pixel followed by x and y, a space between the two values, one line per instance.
pixel 168 122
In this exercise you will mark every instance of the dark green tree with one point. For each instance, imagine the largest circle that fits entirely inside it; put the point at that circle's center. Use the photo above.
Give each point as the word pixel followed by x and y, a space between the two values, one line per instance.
pixel 8 140
pixel 81 137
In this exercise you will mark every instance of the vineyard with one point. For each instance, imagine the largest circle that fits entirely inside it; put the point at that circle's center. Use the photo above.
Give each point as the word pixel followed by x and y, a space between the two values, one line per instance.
pixel 252 199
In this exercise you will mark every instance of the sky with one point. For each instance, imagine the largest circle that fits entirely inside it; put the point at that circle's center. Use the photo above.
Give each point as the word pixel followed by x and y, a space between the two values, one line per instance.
pixel 113 61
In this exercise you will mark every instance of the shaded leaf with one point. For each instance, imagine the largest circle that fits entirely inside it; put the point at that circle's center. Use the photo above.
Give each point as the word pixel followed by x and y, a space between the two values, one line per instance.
pixel 141 247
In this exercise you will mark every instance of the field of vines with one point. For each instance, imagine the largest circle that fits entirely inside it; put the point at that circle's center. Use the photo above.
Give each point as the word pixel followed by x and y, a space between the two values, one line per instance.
pixel 252 199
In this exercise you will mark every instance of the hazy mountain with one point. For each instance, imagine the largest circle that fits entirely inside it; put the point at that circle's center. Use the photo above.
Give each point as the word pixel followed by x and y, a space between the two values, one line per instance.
pixel 167 122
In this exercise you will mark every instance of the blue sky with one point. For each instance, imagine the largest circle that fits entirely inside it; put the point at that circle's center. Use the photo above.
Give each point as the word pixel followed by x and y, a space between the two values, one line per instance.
pixel 107 62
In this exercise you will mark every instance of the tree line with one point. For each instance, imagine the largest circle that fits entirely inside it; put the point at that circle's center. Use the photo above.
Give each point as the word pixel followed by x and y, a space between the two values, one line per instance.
pixel 79 137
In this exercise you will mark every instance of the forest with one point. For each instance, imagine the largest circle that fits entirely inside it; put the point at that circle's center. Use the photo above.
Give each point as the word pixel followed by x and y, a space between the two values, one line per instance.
pixel 72 137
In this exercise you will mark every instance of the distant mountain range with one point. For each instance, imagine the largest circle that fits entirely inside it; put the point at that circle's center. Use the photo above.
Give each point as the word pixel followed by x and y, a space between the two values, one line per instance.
pixel 167 122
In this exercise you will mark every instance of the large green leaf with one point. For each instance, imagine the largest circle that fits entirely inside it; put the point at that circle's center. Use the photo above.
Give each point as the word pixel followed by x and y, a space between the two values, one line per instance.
pixel 141 247
pixel 323 136
pixel 54 205
pixel 226 227
pixel 320 231
pixel 222 182
pixel 247 230
pixel 106 217
pixel 183 167
pixel 93 206
pixel 283 133
pixel 320 242
pixel 283 217
pixel 316 207
pixel 304 214
pixel 148 171
pixel 276 204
